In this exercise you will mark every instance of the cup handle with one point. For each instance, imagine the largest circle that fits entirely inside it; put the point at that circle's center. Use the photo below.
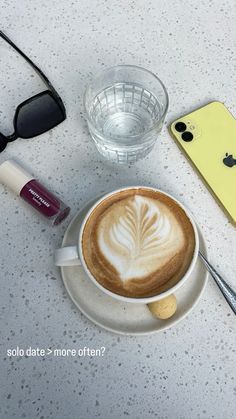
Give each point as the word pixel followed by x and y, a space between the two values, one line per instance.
pixel 67 256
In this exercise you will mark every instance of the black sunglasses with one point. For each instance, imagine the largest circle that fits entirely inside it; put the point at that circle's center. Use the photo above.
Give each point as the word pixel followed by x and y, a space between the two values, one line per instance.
pixel 37 114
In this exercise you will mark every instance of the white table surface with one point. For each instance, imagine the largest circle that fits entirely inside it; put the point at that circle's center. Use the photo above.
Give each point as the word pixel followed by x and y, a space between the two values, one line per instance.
pixel 188 371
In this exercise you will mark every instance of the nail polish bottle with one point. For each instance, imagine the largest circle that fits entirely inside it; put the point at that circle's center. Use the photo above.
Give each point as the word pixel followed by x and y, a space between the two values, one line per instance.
pixel 23 184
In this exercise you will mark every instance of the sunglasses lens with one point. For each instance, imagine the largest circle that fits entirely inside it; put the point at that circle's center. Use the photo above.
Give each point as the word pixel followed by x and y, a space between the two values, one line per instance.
pixel 38 115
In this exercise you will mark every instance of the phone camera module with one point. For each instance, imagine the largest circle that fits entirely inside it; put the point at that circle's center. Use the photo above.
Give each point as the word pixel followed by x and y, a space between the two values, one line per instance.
pixel 180 126
pixel 187 136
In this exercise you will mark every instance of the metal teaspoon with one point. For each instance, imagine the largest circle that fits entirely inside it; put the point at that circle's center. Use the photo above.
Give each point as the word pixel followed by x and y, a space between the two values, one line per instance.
pixel 227 291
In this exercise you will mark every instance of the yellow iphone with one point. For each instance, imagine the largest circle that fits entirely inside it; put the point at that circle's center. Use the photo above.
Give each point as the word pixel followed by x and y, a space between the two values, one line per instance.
pixel 208 137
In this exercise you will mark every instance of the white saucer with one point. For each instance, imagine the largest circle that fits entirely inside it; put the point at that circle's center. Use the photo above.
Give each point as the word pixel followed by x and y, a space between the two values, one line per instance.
pixel 119 317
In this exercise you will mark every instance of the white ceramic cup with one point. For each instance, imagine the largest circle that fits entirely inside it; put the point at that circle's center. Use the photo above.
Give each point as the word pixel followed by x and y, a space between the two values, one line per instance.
pixel 73 255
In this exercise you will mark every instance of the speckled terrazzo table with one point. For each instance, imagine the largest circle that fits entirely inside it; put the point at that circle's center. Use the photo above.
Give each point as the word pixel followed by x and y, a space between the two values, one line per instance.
pixel 188 371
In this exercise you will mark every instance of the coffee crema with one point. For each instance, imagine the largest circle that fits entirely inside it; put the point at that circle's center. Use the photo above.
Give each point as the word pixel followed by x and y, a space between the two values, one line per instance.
pixel 138 243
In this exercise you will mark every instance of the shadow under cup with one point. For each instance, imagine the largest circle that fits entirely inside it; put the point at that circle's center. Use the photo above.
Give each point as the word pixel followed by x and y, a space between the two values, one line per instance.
pixel 84 234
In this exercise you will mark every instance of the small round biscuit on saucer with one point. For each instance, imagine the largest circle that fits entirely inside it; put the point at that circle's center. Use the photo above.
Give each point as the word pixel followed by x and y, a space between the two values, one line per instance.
pixel 164 309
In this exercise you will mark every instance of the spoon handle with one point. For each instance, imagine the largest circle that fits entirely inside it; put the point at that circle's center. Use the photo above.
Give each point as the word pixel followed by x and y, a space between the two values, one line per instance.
pixel 227 291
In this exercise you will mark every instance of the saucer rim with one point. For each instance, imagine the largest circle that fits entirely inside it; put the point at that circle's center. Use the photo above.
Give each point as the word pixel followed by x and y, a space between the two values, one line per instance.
pixel 63 269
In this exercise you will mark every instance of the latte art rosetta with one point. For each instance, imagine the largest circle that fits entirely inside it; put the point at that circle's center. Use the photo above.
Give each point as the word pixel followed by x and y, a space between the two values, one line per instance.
pixel 139 236
pixel 138 242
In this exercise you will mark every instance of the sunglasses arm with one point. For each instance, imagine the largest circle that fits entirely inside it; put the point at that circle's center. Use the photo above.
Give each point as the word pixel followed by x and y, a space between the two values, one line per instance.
pixel 37 69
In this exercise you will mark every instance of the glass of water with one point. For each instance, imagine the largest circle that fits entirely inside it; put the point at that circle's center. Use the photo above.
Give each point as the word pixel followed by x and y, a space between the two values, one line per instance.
pixel 125 110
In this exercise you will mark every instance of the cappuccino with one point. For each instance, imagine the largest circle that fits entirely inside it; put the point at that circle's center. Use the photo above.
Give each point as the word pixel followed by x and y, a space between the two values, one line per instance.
pixel 138 242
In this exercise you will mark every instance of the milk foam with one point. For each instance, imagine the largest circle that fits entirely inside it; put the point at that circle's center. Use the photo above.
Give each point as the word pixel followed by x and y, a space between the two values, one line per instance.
pixel 138 236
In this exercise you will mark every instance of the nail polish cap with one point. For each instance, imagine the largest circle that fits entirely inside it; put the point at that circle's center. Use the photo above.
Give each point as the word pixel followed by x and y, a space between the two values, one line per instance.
pixel 14 176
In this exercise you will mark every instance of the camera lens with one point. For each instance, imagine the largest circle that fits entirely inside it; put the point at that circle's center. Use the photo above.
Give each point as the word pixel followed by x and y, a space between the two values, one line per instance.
pixel 187 136
pixel 180 126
